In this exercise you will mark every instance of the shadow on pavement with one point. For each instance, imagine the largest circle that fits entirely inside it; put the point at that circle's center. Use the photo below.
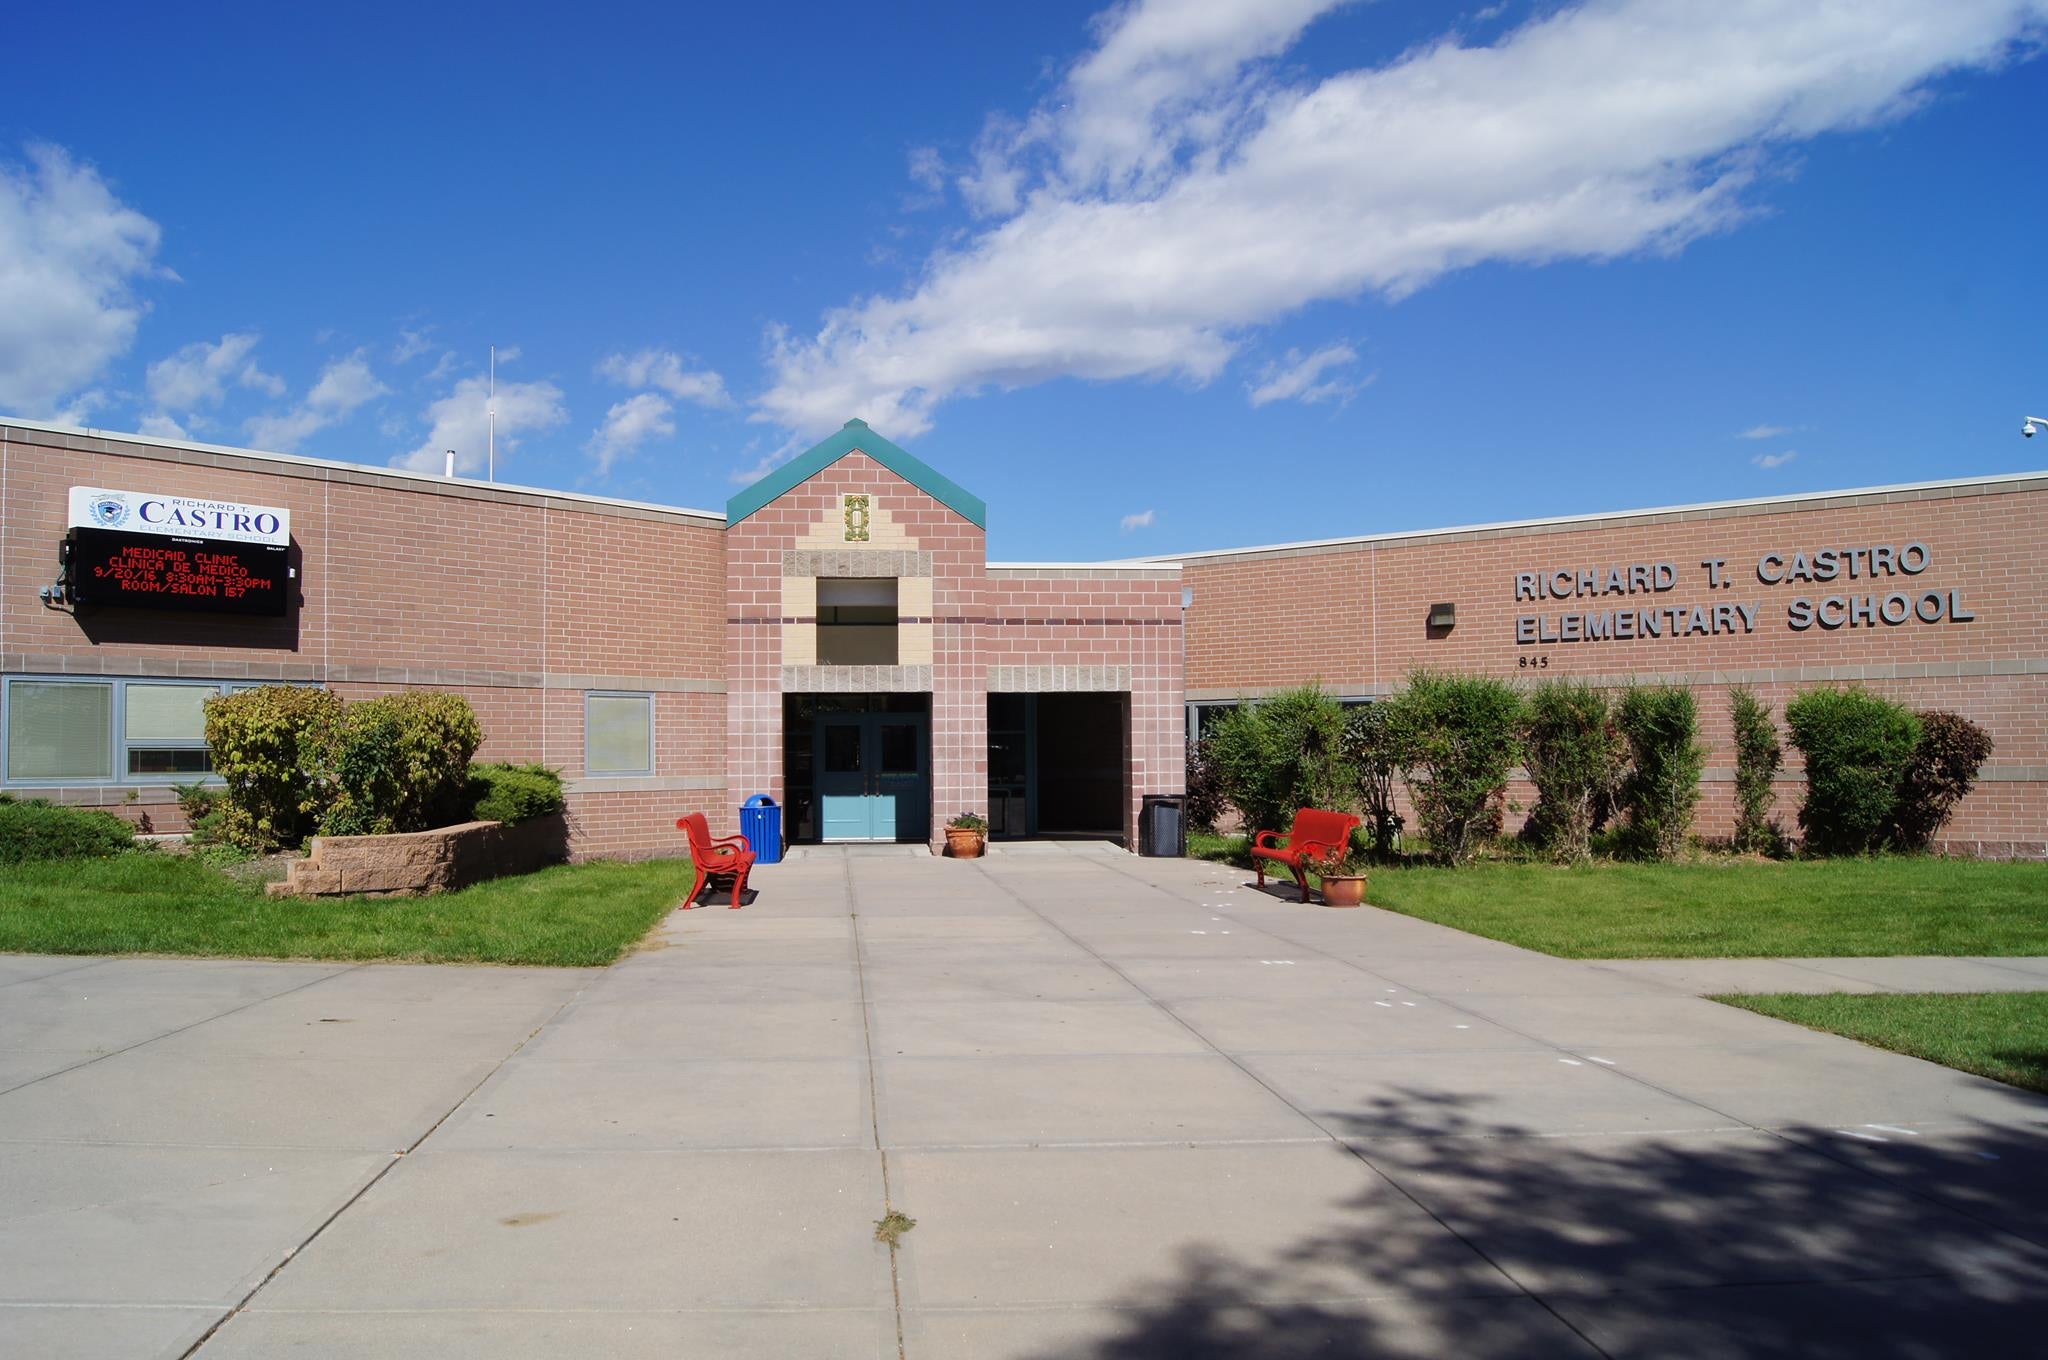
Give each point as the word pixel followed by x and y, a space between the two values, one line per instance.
pixel 1817 1244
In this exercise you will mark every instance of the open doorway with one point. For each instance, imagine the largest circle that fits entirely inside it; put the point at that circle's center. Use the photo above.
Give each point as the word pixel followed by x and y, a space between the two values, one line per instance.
pixel 1058 764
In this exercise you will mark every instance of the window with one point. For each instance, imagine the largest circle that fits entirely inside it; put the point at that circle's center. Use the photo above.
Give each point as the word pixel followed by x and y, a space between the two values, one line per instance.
pixel 164 729
pixel 60 729
pixel 857 621
pixel 103 731
pixel 618 734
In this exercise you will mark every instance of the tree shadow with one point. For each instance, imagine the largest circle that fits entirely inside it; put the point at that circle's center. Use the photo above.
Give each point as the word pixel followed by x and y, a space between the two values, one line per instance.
pixel 1732 1242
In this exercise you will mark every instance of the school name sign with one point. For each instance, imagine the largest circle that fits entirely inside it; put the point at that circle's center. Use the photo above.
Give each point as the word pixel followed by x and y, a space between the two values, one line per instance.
pixel 1879 585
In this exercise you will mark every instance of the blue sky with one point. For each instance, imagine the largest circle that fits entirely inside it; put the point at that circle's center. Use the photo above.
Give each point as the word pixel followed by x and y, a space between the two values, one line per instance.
pixel 1167 275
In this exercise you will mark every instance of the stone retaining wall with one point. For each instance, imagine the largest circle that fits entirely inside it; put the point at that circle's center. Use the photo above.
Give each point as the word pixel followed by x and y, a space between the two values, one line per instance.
pixel 413 862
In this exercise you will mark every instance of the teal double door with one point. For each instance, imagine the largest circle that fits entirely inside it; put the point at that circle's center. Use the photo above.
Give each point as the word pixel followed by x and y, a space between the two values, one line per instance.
pixel 874 776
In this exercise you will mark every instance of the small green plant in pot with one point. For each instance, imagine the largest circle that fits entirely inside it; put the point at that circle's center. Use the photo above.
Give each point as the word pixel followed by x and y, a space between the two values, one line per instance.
pixel 1343 878
pixel 965 835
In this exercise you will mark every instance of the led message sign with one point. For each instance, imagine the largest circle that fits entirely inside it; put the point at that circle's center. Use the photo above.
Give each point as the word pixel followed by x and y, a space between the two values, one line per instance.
pixel 154 571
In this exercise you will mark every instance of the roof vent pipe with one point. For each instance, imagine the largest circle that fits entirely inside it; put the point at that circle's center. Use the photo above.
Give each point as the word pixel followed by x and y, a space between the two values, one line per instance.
pixel 451 464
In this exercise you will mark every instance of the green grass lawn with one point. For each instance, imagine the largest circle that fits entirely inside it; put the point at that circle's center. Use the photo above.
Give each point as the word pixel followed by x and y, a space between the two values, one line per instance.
pixel 156 903
pixel 1725 909
pixel 2001 1035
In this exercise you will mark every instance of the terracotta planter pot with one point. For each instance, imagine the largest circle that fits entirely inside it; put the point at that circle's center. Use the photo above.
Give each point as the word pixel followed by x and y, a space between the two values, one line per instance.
pixel 1343 892
pixel 963 844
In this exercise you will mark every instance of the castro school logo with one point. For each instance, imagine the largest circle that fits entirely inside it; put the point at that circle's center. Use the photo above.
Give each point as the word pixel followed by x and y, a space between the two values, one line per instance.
pixel 109 512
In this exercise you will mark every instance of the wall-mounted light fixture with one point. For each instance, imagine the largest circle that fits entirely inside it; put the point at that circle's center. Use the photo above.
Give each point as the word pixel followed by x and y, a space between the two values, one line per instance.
pixel 1443 616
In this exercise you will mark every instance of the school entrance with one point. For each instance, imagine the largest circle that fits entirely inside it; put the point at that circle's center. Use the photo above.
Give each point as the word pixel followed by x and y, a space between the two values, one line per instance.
pixel 857 767
pixel 1058 764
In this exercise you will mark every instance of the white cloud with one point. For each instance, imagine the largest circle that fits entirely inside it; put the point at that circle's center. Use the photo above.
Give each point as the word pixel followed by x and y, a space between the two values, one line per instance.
pixel 70 256
pixel 927 167
pixel 344 387
pixel 1141 520
pixel 628 425
pixel 1182 185
pixel 161 426
pixel 1775 460
pixel 667 371
pixel 459 421
pixel 197 375
pixel 1299 377
pixel 411 345
pixel 79 410
pixel 1765 432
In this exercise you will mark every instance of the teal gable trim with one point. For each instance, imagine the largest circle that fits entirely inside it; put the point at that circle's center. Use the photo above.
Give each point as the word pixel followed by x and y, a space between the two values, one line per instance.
pixel 857 435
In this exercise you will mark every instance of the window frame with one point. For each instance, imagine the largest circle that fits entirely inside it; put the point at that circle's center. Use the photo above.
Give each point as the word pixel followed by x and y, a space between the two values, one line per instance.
pixel 645 696
pixel 119 743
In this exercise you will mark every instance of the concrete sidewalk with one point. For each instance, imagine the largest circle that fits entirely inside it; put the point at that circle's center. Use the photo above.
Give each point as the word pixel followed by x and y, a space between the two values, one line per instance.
pixel 1140 1110
pixel 172 1129
pixel 1711 977
pixel 1136 1108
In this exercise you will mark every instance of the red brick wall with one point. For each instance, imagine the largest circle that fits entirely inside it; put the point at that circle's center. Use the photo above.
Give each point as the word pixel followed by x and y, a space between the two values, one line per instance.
pixel 519 601
pixel 1354 617
pixel 1087 618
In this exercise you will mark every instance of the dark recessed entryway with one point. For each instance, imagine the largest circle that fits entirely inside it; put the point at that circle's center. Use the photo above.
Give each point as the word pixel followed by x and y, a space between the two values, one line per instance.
pixel 1058 764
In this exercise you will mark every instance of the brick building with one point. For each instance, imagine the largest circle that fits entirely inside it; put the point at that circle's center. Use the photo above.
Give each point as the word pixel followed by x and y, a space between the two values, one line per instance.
pixel 837 638
pixel 1931 594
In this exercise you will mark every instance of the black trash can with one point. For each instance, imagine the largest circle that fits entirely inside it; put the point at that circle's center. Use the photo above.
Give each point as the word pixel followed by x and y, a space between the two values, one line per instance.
pixel 761 824
pixel 1162 826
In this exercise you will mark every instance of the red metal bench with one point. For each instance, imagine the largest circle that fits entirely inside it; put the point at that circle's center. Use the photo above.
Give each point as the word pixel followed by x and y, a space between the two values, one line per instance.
pixel 1317 836
pixel 723 855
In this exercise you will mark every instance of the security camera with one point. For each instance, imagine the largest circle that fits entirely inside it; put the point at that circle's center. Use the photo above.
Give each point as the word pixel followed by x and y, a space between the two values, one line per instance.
pixel 2032 425
pixel 2028 429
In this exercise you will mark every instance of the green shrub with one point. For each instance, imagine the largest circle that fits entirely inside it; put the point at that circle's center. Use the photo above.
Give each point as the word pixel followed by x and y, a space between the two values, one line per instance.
pixel 1940 774
pixel 1281 754
pixel 396 763
pixel 513 793
pixel 1455 738
pixel 41 830
pixel 1857 746
pixel 1661 724
pixel 261 741
pixel 1575 756
pixel 1758 758
pixel 1204 791
pixel 1369 748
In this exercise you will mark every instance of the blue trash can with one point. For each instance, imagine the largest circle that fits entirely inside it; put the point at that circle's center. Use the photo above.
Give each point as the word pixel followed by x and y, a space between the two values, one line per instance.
pixel 761 824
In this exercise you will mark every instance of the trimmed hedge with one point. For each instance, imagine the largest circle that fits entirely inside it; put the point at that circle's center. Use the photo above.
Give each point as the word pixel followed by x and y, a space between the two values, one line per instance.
pixel 1280 754
pixel 513 793
pixel 1369 745
pixel 1857 746
pixel 399 762
pixel 1758 758
pixel 42 830
pixel 262 743
pixel 1662 791
pixel 1575 756
pixel 1455 738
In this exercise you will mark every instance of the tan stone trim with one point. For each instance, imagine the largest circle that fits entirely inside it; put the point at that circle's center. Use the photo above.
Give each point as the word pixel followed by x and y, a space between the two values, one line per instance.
pixel 1765 675
pixel 33 434
pixel 687 783
pixel 34 663
pixel 856 679
pixel 855 562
